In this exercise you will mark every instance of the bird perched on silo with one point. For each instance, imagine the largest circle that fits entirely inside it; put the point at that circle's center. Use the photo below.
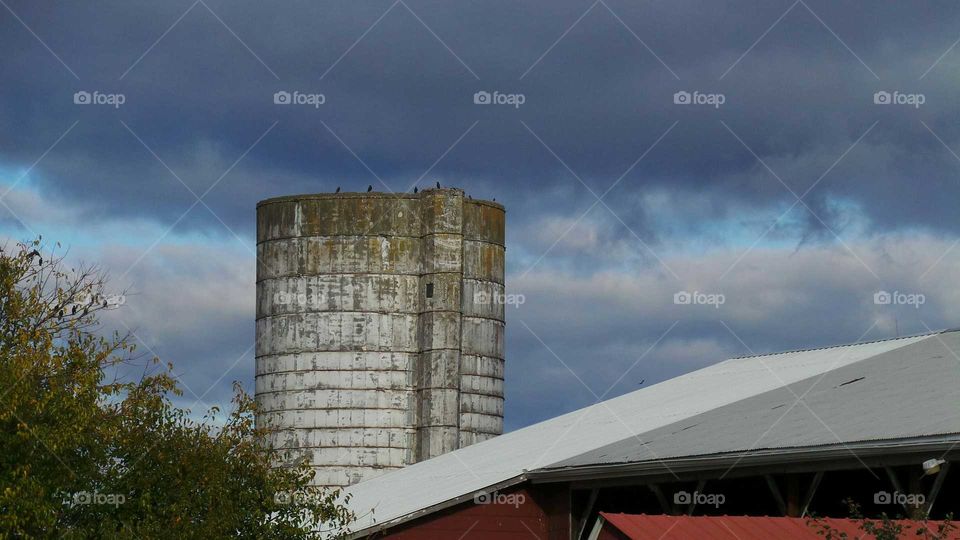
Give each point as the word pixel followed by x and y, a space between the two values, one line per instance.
pixel 414 189
pixel 369 189
pixel 438 185
pixel 338 190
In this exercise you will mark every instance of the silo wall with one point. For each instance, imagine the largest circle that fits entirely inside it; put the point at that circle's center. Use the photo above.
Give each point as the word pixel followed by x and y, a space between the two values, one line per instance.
pixel 379 330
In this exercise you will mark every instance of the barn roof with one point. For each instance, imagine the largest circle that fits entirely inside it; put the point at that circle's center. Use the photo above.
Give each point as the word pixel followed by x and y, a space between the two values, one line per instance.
pixel 874 393
pixel 644 527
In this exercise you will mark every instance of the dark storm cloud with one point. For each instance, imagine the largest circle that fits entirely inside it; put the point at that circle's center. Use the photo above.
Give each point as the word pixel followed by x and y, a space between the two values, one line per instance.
pixel 202 95
pixel 599 79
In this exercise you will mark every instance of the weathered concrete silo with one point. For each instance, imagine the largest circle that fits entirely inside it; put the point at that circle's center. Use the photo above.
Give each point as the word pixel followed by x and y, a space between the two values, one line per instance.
pixel 379 327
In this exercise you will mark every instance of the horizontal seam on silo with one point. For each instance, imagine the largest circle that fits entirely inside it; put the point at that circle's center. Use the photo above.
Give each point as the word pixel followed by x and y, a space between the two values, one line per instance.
pixel 336 370
pixel 348 311
pixel 409 430
pixel 482 318
pixel 301 275
pixel 410 274
pixel 341 447
pixel 296 409
pixel 347 467
pixel 464 236
pixel 483 395
pixel 369 351
pixel 386 389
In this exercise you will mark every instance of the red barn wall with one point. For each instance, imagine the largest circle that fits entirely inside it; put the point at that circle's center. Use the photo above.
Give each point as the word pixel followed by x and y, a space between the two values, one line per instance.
pixel 515 514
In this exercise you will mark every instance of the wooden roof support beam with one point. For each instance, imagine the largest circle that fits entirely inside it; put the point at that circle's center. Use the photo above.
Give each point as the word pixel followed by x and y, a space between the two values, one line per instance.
pixel 811 491
pixel 775 491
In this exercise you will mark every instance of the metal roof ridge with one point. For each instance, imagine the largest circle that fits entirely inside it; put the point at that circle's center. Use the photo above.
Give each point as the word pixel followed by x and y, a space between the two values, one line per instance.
pixel 842 345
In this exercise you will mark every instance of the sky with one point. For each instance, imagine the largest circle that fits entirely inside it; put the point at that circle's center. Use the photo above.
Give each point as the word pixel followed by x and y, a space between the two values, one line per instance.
pixel 684 181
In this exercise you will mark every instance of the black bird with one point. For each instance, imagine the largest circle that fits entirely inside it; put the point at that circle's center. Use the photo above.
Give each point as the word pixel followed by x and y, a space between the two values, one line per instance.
pixel 438 185
pixel 369 189
pixel 74 310
pixel 494 199
pixel 414 189
pixel 641 381
pixel 338 189
pixel 60 314
pixel 104 303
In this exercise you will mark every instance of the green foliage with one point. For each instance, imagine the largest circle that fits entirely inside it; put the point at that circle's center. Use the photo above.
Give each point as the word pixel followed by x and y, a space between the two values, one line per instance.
pixel 84 457
pixel 882 528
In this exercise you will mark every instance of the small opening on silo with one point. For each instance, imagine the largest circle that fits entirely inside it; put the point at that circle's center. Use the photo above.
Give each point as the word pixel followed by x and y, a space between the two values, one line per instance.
pixel 429 290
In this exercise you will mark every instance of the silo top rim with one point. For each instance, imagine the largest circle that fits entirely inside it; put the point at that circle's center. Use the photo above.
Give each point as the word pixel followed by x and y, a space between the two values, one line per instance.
pixel 374 195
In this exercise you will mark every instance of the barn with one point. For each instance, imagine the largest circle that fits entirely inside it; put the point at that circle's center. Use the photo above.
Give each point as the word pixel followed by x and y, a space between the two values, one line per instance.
pixel 787 435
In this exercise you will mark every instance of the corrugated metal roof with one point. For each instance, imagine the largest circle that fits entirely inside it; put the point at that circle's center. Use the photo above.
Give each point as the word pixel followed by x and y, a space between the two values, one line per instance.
pixel 644 527
pixel 406 493
pixel 905 393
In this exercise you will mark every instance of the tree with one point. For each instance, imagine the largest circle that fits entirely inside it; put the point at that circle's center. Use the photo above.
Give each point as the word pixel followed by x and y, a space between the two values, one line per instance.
pixel 84 456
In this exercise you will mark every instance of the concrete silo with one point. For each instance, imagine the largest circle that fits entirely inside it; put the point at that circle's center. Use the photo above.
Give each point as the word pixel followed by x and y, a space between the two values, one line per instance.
pixel 380 327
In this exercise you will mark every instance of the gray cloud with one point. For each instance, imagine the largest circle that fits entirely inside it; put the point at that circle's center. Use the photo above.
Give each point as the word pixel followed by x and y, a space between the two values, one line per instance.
pixel 596 100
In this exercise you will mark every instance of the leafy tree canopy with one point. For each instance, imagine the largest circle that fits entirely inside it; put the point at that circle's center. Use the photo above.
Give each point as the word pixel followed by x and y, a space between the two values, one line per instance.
pixel 83 455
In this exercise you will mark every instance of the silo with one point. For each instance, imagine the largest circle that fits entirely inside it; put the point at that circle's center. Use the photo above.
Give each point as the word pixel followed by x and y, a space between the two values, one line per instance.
pixel 379 328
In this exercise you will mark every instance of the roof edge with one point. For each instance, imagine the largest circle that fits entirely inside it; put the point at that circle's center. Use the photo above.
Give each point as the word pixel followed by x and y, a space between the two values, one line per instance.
pixel 842 345
pixel 944 442
pixel 376 527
